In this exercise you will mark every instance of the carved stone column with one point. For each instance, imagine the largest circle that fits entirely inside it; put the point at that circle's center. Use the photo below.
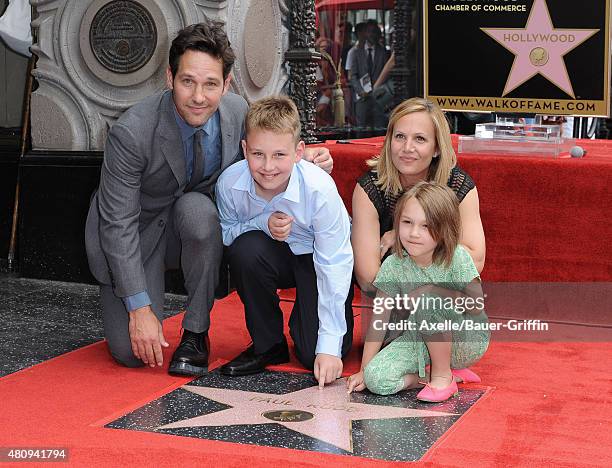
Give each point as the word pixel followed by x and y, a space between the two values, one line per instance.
pixel 407 47
pixel 302 59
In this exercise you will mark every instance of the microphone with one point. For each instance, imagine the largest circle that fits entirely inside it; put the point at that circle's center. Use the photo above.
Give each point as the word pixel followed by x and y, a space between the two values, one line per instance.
pixel 577 151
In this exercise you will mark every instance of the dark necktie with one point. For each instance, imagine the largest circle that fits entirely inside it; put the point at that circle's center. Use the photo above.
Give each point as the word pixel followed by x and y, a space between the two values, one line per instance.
pixel 197 174
pixel 370 62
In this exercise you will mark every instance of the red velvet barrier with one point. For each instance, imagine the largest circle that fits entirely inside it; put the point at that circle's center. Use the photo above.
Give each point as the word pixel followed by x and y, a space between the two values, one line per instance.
pixel 545 219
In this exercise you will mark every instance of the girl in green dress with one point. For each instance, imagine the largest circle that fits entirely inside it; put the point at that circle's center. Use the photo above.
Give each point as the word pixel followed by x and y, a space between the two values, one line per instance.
pixel 432 281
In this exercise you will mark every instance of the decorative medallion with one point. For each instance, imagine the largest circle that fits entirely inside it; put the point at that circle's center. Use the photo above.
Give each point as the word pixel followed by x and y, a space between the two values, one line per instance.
pixel 123 36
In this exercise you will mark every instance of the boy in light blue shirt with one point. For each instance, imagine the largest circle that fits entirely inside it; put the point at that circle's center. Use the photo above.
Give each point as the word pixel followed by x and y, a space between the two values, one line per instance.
pixel 286 226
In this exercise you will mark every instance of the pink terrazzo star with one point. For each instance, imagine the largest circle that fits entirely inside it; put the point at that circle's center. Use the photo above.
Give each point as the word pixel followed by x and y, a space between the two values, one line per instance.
pixel 539 48
pixel 330 411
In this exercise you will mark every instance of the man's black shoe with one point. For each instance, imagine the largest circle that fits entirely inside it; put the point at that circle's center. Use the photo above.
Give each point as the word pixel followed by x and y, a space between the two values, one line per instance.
pixel 191 356
pixel 250 363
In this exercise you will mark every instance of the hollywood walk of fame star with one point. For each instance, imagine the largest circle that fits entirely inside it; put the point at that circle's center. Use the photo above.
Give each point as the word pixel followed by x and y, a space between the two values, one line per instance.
pixel 324 414
pixel 527 44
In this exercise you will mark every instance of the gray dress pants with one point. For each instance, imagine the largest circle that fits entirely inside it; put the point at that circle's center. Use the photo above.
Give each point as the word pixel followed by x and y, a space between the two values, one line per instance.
pixel 192 242
pixel 368 113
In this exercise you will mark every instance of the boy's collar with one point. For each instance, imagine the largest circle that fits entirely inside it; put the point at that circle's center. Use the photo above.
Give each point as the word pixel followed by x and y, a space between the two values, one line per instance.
pixel 292 193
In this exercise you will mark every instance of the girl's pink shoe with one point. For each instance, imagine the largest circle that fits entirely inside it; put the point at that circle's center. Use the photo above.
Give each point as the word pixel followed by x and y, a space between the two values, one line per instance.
pixel 466 375
pixel 436 395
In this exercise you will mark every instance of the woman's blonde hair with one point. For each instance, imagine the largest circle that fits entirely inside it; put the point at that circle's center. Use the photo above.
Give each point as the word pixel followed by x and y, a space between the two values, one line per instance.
pixel 388 177
pixel 441 209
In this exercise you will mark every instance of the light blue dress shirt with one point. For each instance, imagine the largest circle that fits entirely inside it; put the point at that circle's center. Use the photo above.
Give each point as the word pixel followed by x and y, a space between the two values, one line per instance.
pixel 321 226
pixel 211 143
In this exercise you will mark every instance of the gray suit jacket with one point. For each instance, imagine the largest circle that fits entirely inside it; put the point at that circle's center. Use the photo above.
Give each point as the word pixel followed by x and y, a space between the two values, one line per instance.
pixel 359 65
pixel 142 175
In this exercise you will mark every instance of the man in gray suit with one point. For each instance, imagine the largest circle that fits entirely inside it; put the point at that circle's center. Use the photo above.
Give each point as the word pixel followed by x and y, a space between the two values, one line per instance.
pixel 367 62
pixel 155 210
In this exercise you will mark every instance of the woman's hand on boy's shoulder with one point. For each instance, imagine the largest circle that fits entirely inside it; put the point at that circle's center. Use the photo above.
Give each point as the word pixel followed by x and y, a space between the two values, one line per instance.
pixel 321 157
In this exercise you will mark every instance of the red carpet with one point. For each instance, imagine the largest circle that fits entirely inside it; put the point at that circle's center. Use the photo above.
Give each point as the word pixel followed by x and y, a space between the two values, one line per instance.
pixel 551 406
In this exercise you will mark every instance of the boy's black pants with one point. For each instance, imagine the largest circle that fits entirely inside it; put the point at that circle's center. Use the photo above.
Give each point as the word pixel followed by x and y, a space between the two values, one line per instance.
pixel 260 265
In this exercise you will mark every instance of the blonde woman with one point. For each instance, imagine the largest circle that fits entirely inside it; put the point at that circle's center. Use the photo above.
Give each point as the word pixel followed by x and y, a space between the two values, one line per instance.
pixel 417 147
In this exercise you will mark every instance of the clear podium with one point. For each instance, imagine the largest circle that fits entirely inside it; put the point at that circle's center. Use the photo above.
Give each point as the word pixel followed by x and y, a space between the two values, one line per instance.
pixel 516 137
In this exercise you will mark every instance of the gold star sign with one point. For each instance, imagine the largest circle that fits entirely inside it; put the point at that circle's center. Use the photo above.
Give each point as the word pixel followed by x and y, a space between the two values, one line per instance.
pixel 539 48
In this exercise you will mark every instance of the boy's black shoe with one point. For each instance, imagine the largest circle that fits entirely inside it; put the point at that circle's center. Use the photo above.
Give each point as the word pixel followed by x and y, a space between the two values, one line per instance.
pixel 248 362
pixel 191 356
